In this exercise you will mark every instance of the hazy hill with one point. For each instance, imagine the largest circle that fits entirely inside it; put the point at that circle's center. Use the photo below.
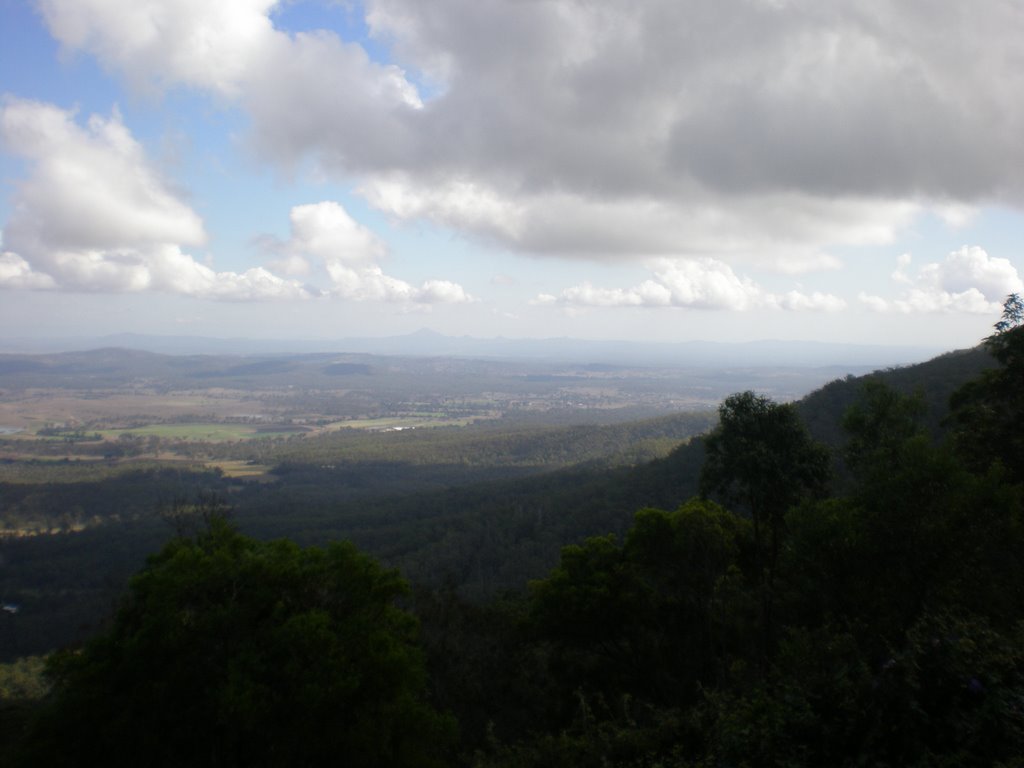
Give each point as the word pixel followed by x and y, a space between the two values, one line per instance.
pixel 426 343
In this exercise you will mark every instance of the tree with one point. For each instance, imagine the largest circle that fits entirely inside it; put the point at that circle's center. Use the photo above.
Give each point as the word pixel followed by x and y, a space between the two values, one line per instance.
pixel 761 460
pixel 1013 314
pixel 691 562
pixel 988 412
pixel 228 651
pixel 652 617
pixel 918 530
pixel 593 607
pixel 634 633
pixel 878 425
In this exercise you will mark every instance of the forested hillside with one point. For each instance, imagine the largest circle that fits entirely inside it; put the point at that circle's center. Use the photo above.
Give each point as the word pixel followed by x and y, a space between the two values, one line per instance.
pixel 834 582
pixel 935 381
pixel 485 507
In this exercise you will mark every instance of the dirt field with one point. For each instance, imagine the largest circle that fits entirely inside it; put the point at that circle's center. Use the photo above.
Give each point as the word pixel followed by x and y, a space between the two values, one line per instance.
pixel 34 409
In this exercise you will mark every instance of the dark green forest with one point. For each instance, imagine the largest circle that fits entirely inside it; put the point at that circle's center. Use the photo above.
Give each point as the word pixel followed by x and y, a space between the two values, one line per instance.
pixel 830 582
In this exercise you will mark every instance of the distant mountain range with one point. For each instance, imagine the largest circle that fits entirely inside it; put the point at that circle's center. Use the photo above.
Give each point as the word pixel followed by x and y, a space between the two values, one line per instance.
pixel 698 354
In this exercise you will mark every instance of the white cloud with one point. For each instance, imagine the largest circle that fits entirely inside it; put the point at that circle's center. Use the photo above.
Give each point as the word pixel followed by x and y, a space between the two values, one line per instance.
pixel 968 280
pixel 371 284
pixel 195 42
pixel 705 284
pixel 972 268
pixel 695 284
pixel 293 265
pixel 89 187
pixel 326 231
pixel 348 251
pixel 177 272
pixel 15 272
pixel 94 215
pixel 307 91
pixel 313 94
pixel 780 233
pixel 753 132
pixel 816 301
pixel 441 292
pixel 458 203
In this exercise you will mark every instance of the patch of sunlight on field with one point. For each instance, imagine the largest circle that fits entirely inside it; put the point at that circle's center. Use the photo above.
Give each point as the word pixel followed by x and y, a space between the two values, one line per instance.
pixel 200 432
pixel 188 432
pixel 240 469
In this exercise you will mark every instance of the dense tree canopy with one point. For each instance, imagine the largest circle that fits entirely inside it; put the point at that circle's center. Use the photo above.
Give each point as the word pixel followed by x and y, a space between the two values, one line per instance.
pixel 762 461
pixel 897 609
pixel 650 616
pixel 761 457
pixel 234 652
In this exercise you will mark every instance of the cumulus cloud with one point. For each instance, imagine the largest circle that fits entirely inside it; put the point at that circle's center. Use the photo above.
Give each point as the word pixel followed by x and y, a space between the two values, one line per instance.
pixel 816 301
pixel 15 272
pixel 783 233
pixel 208 45
pixel 348 251
pixel 736 130
pixel 968 280
pixel 326 231
pixel 89 187
pixel 694 284
pixel 308 91
pixel 312 93
pixel 371 284
pixel 94 215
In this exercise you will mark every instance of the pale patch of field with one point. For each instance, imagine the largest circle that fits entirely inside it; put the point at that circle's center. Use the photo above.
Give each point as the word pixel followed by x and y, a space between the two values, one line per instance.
pixel 397 423
pixel 240 469
pixel 193 433
pixel 33 409
pixel 42 530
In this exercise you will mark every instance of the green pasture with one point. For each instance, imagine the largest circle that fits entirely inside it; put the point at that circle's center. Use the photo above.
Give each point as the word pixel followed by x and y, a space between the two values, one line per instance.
pixel 209 433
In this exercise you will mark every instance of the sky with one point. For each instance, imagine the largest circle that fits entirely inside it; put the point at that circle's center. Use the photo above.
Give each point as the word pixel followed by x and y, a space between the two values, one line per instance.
pixel 666 170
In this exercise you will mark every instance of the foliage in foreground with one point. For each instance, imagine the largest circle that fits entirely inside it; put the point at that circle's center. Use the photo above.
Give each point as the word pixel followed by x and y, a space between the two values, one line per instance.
pixel 895 610
pixel 229 651
pixel 880 625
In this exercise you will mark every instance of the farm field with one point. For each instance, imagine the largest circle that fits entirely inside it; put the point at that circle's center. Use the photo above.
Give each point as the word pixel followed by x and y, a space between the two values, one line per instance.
pixel 214 432
pixel 96 416
pixel 31 410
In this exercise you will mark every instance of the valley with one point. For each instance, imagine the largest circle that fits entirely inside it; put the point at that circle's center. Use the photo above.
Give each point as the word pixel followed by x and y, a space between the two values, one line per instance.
pixel 118 406
pixel 429 462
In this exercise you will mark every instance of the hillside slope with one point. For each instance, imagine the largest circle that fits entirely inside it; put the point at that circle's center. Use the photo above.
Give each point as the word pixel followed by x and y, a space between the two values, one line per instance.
pixel 437 525
pixel 495 536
